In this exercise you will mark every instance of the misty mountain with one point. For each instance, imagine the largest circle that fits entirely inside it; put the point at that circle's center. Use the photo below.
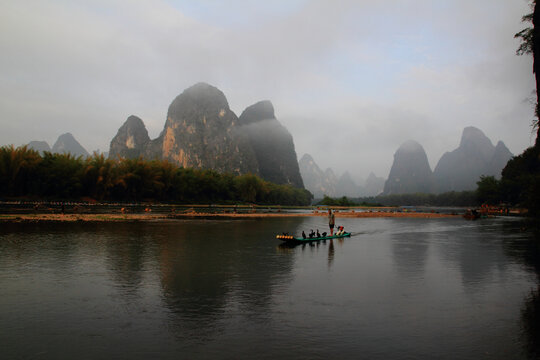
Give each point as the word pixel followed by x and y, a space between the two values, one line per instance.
pixel 40 146
pixel 272 143
pixel 201 131
pixel 131 140
pixel 500 158
pixel 347 187
pixel 66 143
pixel 318 182
pixel 460 169
pixel 374 185
pixel 410 172
pixel 322 183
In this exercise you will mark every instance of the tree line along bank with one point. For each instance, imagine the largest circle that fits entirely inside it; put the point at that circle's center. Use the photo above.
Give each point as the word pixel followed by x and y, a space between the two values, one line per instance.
pixel 26 173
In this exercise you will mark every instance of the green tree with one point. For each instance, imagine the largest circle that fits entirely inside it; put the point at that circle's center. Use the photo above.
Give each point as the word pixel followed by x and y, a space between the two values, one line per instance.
pixel 488 191
pixel 530 44
pixel 18 168
pixel 98 177
pixel 61 175
pixel 248 186
pixel 520 182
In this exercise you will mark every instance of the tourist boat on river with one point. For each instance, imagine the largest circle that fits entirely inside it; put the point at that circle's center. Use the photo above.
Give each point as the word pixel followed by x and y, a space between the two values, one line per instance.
pixel 471 214
pixel 291 238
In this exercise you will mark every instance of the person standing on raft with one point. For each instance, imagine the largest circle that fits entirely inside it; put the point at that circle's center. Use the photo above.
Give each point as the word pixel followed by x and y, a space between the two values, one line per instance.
pixel 331 221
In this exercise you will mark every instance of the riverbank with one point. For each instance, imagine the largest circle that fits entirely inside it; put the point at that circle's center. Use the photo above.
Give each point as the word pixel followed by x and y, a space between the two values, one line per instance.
pixel 33 218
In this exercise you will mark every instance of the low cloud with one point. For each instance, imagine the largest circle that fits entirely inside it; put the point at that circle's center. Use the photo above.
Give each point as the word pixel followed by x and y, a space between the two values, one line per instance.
pixel 351 80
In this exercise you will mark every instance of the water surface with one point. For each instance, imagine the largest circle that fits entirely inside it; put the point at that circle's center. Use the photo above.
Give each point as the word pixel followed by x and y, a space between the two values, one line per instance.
pixel 398 289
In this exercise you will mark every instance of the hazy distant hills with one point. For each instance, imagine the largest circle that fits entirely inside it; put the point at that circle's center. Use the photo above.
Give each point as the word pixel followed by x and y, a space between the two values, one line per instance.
pixel 374 185
pixel 322 183
pixel 410 172
pixel 457 170
pixel 40 146
pixel 201 131
pixel 316 181
pixel 65 144
pixel 461 169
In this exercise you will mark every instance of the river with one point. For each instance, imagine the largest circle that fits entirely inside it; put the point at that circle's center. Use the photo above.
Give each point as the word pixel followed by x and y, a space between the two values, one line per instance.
pixel 399 288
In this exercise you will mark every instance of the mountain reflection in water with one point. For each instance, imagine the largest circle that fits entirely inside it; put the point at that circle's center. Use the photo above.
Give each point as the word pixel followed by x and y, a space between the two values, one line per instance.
pixel 417 288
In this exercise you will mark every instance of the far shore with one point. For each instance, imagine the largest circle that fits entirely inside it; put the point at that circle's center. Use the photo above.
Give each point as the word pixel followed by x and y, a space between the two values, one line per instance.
pixel 33 218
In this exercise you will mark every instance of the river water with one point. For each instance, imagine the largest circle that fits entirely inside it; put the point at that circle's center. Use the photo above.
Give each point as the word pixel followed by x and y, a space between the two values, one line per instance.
pixel 202 289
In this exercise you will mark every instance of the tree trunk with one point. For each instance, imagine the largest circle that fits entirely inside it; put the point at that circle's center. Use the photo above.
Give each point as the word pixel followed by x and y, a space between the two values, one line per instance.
pixel 536 65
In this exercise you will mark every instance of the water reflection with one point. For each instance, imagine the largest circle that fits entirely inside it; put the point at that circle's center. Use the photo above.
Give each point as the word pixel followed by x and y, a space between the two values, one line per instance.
pixel 410 251
pixel 289 247
pixel 523 245
pixel 331 253
pixel 227 269
pixel 128 249
pixel 209 288
pixel 530 318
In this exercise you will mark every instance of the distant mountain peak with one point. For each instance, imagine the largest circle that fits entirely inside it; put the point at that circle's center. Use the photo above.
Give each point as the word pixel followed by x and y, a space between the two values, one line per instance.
pixel 201 96
pixel 66 143
pixel 201 131
pixel 474 139
pixel 501 145
pixel 130 140
pixel 306 158
pixel 410 146
pixel 40 146
pixel 263 110
pixel 410 172
pixel 272 143
pixel 461 168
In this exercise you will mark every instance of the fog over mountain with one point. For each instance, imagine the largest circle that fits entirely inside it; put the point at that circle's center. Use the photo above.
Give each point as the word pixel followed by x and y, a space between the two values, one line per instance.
pixel 67 144
pixel 202 132
pixel 457 170
pixel 272 143
pixel 322 183
pixel 410 171
pixel 461 168
pixel 348 89
pixel 40 146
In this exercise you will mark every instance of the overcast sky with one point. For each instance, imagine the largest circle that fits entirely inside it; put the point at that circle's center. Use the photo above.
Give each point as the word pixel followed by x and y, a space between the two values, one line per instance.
pixel 351 80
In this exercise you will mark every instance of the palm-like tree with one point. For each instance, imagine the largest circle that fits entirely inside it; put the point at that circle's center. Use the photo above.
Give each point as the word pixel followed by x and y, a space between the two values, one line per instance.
pixel 530 44
pixel 98 176
pixel 17 169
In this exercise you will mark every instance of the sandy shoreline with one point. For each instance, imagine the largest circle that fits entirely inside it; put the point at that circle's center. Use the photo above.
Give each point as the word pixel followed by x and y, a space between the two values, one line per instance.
pixel 32 218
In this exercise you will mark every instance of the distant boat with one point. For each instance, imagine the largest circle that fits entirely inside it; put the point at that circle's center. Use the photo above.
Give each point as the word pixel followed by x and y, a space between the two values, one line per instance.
pixel 290 238
pixel 471 214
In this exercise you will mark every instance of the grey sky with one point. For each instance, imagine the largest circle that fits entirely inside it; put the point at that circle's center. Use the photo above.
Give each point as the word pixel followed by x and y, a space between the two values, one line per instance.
pixel 351 80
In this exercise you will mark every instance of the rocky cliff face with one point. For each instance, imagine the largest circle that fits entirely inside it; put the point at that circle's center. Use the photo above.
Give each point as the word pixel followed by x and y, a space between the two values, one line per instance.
pixel 272 144
pixel 201 131
pixel 66 143
pixel 40 146
pixel 131 140
pixel 460 169
pixel 410 172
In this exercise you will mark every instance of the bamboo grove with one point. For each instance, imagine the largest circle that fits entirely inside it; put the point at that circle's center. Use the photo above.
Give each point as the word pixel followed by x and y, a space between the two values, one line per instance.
pixel 24 173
